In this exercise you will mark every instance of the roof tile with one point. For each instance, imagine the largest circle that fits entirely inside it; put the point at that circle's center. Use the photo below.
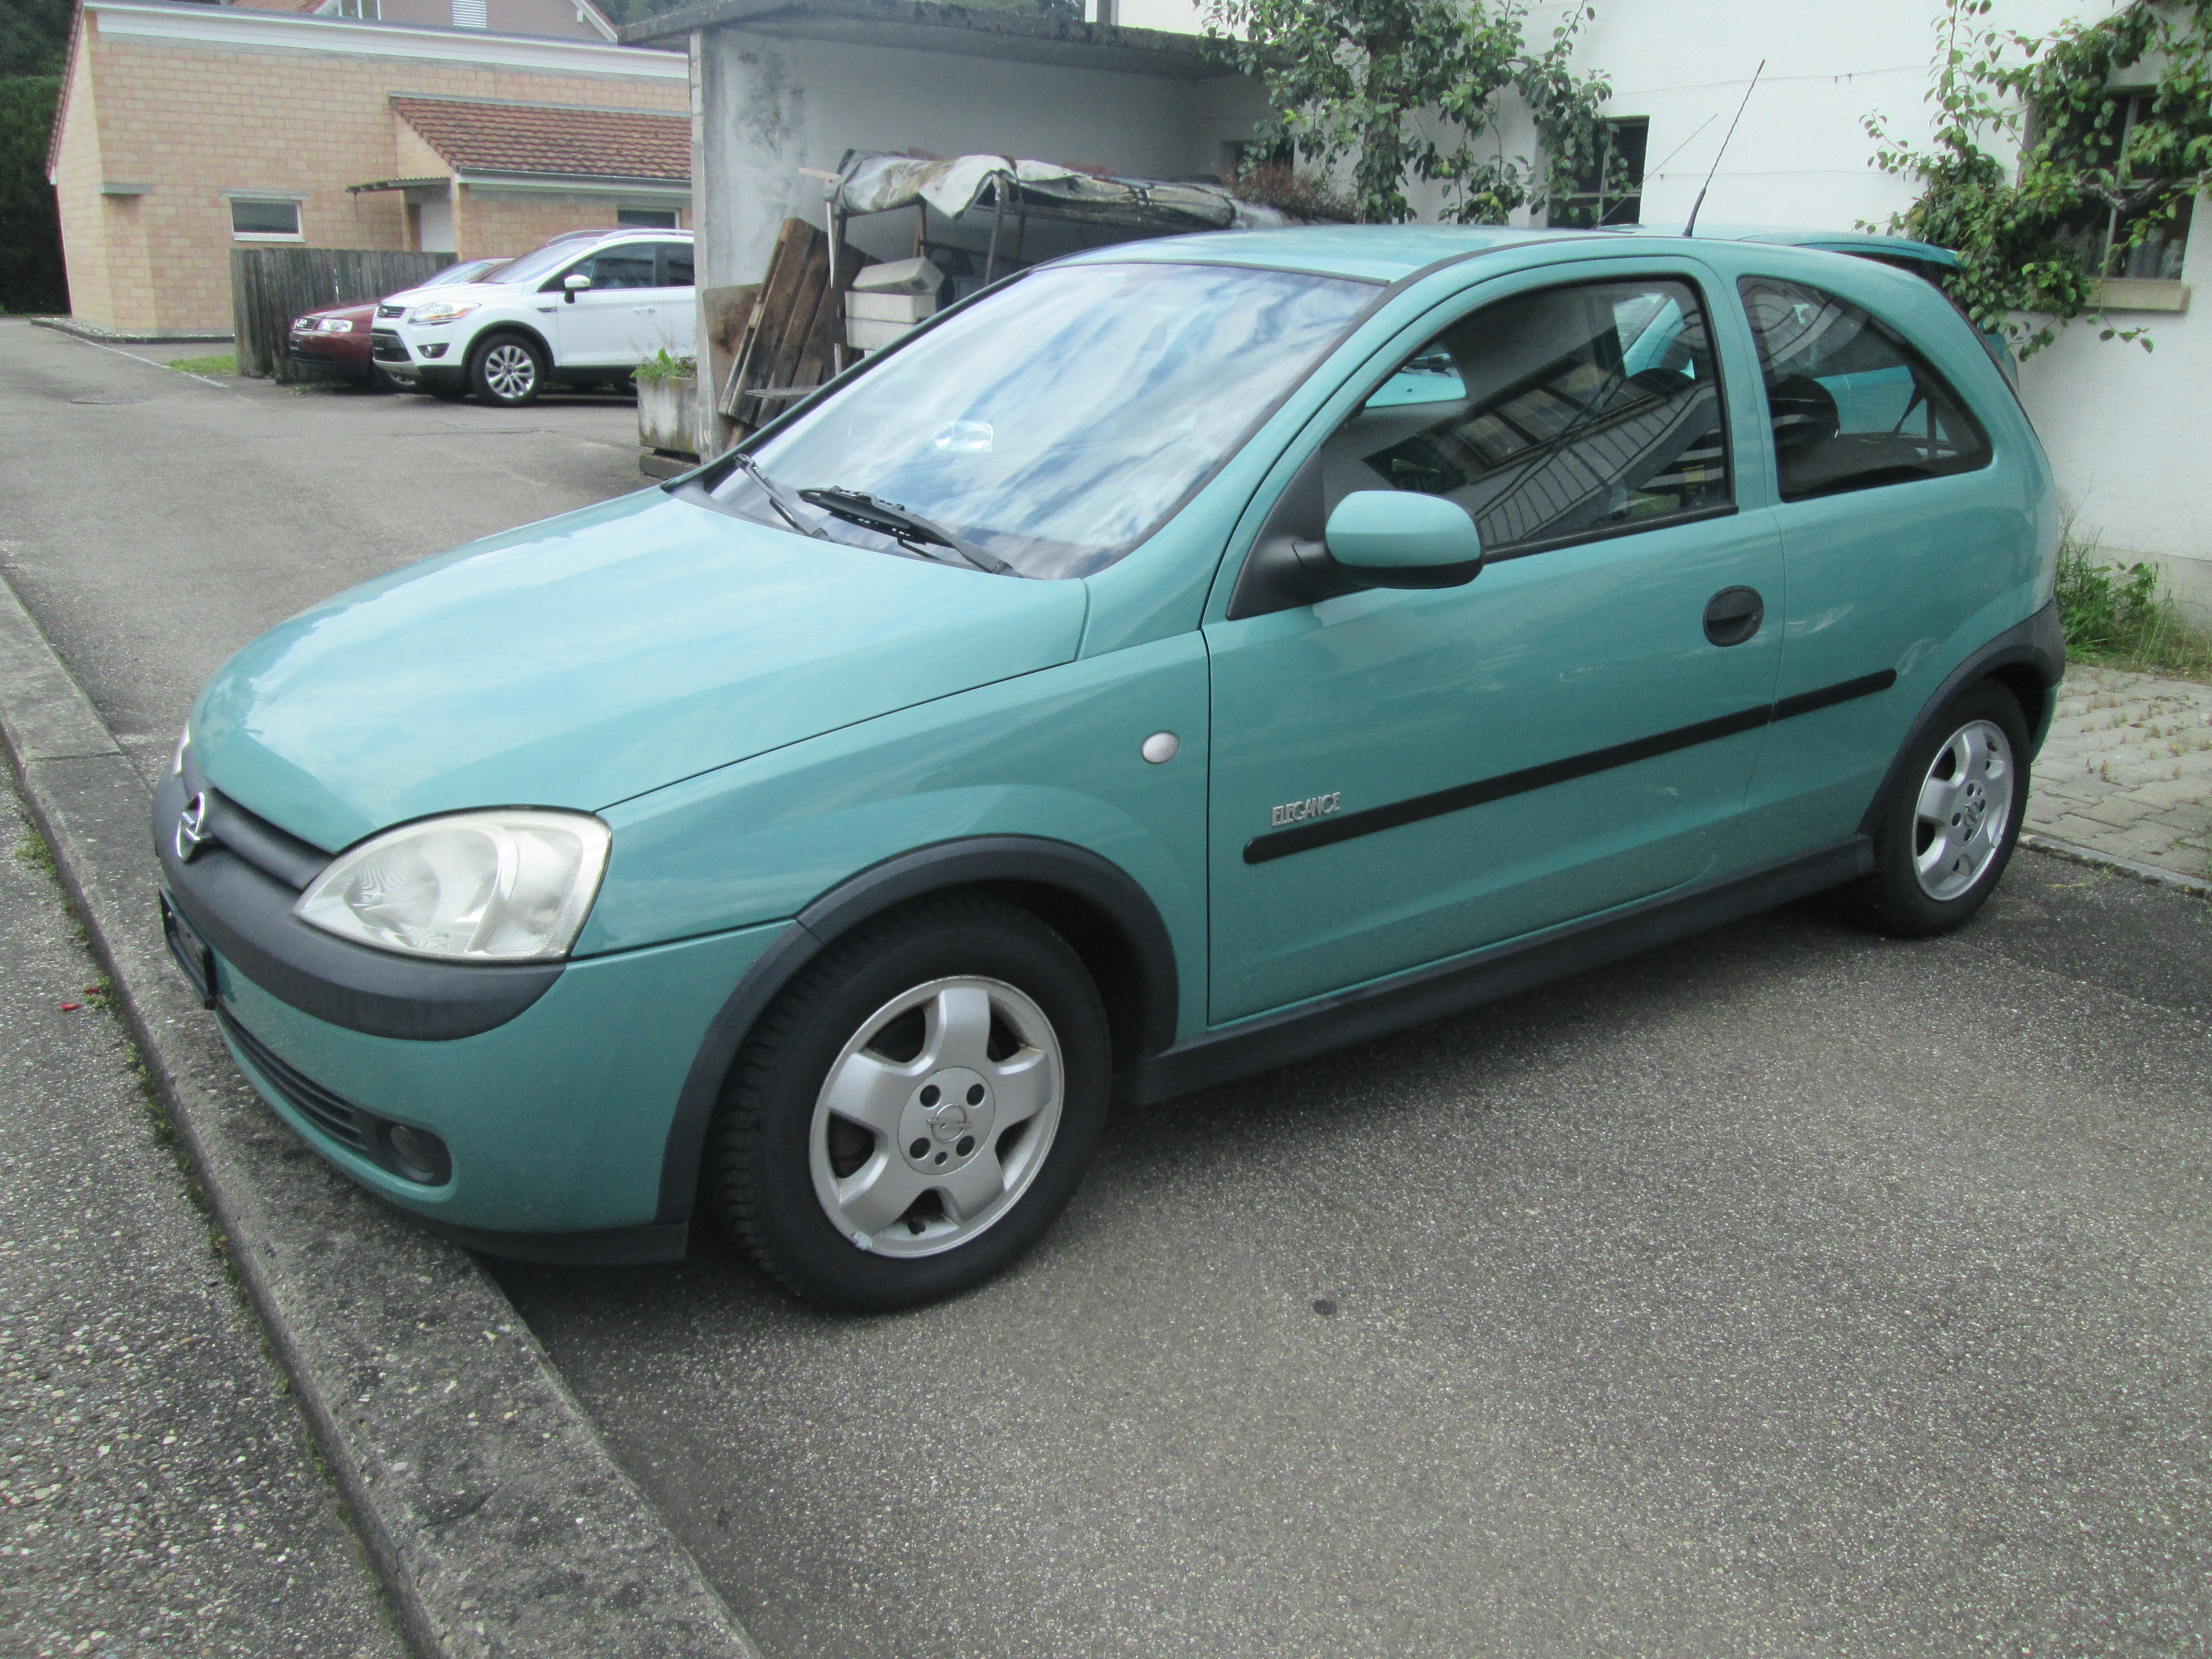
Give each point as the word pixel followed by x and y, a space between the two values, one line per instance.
pixel 483 136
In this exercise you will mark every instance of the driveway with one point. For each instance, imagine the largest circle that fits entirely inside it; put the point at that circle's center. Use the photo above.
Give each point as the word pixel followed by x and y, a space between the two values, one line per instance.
pixel 1787 1292
pixel 155 523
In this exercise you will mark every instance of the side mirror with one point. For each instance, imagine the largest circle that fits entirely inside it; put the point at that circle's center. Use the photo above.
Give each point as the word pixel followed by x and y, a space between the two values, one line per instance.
pixel 576 282
pixel 1401 539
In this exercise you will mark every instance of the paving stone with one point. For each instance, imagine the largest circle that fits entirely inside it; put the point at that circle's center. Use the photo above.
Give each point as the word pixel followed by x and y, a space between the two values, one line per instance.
pixel 2127 769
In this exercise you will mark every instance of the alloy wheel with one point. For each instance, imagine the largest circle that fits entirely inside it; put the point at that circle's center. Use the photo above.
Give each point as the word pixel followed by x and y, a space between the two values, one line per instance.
pixel 510 370
pixel 936 1116
pixel 1965 804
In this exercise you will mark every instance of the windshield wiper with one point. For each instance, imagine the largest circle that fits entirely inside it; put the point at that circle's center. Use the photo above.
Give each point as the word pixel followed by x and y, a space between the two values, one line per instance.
pixel 858 507
pixel 780 498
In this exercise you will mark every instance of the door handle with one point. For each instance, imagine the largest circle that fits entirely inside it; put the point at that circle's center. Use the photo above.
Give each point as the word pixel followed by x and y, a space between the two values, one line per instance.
pixel 1732 614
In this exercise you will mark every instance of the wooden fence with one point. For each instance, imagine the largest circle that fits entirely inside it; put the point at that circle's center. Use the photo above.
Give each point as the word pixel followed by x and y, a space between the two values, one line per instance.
pixel 270 286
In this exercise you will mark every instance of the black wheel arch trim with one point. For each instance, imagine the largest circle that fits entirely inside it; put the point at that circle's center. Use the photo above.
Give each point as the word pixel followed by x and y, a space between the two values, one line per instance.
pixel 1027 866
pixel 2033 650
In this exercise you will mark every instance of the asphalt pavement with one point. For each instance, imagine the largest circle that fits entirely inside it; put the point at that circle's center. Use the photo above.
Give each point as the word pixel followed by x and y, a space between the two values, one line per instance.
pixel 154 523
pixel 1786 1291
pixel 159 1494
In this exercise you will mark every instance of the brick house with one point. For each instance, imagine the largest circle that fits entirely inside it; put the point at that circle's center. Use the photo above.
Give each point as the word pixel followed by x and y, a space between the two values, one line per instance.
pixel 188 130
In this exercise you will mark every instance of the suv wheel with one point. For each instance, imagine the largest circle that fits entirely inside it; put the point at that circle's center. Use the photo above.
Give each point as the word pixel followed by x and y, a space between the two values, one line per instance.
pixel 506 369
pixel 1951 819
pixel 916 1108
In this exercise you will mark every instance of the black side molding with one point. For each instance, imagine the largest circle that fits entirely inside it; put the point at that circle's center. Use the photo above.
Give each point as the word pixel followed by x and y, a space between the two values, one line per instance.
pixel 1324 832
pixel 1425 993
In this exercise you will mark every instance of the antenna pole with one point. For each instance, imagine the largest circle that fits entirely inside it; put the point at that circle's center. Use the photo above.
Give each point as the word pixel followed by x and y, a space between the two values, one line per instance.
pixel 1690 229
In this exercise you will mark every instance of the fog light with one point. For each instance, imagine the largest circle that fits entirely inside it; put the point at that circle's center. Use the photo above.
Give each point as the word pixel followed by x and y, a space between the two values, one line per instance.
pixel 418 1155
pixel 437 350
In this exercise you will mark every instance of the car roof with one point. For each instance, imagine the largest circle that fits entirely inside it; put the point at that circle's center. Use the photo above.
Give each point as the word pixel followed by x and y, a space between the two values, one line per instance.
pixel 1386 253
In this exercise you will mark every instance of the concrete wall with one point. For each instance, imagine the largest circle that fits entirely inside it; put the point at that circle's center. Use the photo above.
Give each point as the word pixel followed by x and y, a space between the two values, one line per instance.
pixel 190 117
pixel 769 107
pixel 765 108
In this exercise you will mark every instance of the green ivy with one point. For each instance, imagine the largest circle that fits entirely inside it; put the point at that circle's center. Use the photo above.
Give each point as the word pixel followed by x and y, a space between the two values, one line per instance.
pixel 2024 264
pixel 1410 89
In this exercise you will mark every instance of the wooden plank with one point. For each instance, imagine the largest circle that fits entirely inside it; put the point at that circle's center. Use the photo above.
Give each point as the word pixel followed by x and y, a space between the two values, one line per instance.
pixel 806 294
pixel 788 339
pixel 743 370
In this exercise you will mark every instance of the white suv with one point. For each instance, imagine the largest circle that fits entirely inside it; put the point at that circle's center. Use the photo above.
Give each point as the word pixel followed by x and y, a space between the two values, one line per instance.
pixel 588 307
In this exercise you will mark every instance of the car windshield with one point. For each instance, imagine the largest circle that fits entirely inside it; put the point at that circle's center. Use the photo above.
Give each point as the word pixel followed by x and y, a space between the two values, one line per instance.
pixel 544 261
pixel 468 270
pixel 1054 426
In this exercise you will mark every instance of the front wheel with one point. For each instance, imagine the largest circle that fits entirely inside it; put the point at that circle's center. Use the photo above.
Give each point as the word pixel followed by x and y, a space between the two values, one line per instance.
pixel 507 371
pixel 1952 819
pixel 915 1108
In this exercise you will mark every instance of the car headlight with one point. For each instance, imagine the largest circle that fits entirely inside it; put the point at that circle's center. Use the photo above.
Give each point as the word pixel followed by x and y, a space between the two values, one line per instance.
pixel 510 885
pixel 442 311
pixel 337 325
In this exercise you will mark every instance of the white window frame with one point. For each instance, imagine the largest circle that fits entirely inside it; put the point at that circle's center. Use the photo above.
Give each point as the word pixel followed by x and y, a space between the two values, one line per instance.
pixel 292 198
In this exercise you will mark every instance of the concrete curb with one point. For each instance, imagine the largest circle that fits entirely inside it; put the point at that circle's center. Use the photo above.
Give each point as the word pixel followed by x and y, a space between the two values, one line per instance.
pixel 498 1520
pixel 2120 867
pixel 95 334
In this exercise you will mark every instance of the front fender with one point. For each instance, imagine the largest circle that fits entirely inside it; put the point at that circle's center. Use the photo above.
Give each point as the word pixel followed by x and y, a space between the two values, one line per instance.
pixel 1053 755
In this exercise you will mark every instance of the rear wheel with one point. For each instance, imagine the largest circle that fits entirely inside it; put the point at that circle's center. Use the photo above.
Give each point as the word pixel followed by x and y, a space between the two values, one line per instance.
pixel 915 1108
pixel 507 370
pixel 1951 819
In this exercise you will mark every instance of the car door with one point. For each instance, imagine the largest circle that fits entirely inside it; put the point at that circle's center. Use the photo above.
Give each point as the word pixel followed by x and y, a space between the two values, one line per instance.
pixel 1399 777
pixel 609 324
pixel 1898 534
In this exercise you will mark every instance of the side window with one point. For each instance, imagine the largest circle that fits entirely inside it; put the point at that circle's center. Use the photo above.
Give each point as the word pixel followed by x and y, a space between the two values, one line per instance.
pixel 622 267
pixel 676 265
pixel 1551 415
pixel 1853 407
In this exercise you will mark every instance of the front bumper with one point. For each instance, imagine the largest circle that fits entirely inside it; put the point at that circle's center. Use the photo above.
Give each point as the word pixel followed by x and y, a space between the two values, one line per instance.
pixel 554 1113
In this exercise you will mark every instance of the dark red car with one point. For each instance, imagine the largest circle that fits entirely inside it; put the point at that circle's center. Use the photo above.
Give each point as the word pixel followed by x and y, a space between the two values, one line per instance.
pixel 336 336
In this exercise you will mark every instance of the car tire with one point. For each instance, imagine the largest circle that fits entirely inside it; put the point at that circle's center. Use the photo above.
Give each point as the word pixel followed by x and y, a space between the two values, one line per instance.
pixel 507 370
pixel 1947 828
pixel 915 1108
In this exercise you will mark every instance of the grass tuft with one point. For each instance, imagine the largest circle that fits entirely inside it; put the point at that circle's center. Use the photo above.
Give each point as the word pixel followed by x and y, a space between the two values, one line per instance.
pixel 226 364
pixel 31 850
pixel 2125 617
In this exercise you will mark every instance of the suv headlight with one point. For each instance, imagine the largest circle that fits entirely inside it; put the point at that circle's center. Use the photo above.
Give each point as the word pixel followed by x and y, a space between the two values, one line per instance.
pixel 495 886
pixel 442 311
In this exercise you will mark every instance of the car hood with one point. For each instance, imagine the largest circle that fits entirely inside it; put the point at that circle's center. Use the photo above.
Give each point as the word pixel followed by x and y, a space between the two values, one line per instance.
pixel 581 661
pixel 360 314
pixel 482 294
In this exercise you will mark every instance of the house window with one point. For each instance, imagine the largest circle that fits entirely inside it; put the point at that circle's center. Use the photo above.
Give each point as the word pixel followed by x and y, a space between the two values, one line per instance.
pixel 1591 204
pixel 370 10
pixel 262 221
pixel 2105 232
pixel 647 218
pixel 470 14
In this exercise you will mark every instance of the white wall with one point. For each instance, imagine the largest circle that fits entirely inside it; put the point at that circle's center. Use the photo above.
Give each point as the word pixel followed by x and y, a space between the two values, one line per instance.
pixel 2128 433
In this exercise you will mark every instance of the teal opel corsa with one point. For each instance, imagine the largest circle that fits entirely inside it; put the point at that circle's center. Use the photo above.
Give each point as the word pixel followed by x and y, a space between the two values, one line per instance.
pixel 1181 659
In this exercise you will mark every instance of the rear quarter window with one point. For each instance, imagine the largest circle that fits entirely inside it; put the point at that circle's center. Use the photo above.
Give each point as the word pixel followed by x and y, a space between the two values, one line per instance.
pixel 1852 406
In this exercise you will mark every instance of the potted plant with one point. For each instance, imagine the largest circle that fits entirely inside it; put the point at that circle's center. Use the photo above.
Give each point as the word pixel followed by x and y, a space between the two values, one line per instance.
pixel 666 385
